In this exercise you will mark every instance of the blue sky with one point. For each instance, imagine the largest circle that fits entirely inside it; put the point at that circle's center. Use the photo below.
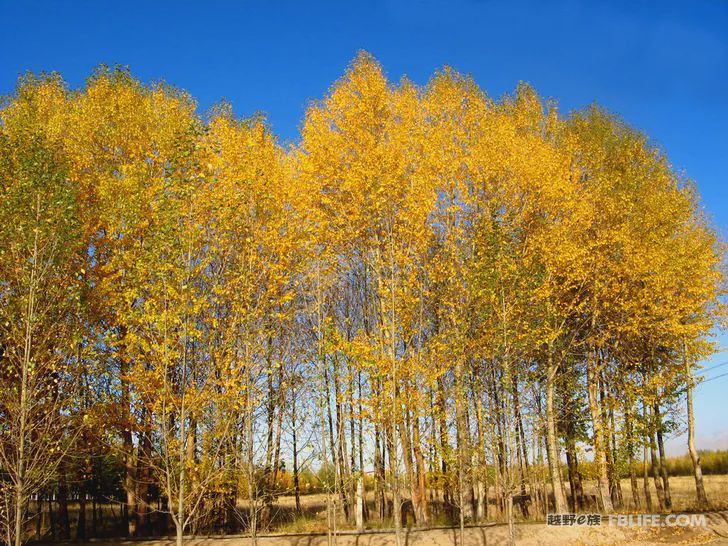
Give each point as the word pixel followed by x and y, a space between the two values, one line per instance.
pixel 662 65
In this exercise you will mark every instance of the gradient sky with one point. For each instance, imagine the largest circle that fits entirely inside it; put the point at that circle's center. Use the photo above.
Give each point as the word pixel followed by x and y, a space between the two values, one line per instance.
pixel 662 65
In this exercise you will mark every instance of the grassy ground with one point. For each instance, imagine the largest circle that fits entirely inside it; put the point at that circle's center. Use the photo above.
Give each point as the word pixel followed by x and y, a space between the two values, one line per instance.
pixel 313 520
pixel 682 489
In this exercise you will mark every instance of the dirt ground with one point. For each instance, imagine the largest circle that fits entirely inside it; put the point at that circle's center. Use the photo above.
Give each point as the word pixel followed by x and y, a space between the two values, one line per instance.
pixel 527 534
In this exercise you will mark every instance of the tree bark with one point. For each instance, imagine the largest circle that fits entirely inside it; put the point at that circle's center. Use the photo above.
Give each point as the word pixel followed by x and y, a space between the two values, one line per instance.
pixel 575 485
pixel 592 379
pixel 552 447
pixel 444 449
pixel 360 502
pixel 481 474
pixel 81 521
pixel 421 508
pixel 64 521
pixel 379 499
pixel 130 514
pixel 653 458
pixel 701 497
pixel 663 461
pixel 646 480
pixel 296 480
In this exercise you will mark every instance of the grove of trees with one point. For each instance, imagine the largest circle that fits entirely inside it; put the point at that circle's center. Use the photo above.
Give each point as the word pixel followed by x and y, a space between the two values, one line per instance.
pixel 448 305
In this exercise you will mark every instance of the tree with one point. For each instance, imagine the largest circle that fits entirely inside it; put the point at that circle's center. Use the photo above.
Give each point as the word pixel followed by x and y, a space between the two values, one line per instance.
pixel 39 242
pixel 437 289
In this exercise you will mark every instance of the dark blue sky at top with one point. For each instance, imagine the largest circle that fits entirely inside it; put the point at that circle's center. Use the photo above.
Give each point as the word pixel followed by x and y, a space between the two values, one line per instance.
pixel 662 65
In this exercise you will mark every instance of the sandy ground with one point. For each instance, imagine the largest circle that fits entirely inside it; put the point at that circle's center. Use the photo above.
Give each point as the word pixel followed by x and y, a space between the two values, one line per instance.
pixel 527 534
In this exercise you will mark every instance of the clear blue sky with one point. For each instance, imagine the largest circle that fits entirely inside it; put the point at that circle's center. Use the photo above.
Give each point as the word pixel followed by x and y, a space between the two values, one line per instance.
pixel 662 65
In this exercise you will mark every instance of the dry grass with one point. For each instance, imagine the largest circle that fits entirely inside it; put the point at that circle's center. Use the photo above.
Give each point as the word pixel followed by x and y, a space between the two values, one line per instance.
pixel 682 489
pixel 525 535
pixel 313 519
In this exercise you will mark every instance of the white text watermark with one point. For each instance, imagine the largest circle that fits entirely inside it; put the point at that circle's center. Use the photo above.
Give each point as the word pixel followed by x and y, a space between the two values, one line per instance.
pixel 627 520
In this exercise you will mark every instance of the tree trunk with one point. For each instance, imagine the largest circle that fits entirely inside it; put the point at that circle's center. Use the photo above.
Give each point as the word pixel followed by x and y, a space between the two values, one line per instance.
pixel 509 517
pixel 444 449
pixel 360 502
pixel 354 475
pixel 497 447
pixel 52 518
pixel 615 486
pixel 463 445
pixel 39 517
pixel 379 500
pixel 521 454
pixel 702 498
pixel 396 494
pixel 629 438
pixel 421 509
pixel 646 480
pixel 296 481
pixel 179 533
pixel 18 516
pixel 276 454
pixel 552 447
pixel 572 463
pixel 130 513
pixel 65 524
pixel 653 458
pixel 250 461
pixel 340 459
pixel 655 473
pixel 94 516
pixel 270 431
pixel 481 476
pixel 81 522
pixel 592 380
pixel 409 463
pixel 360 419
pixel 633 484
pixel 143 475
pixel 663 461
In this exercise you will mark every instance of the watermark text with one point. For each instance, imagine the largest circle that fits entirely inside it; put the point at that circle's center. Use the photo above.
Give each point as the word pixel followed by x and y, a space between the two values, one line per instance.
pixel 627 520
